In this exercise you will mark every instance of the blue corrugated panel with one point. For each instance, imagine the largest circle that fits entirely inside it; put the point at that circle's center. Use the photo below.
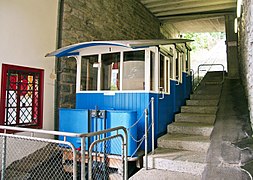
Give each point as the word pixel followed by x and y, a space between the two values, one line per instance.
pixel 189 86
pixel 73 120
pixel 120 101
pixel 177 93
pixel 164 113
pixel 126 119
pixel 164 108
pixel 185 85
pixel 173 94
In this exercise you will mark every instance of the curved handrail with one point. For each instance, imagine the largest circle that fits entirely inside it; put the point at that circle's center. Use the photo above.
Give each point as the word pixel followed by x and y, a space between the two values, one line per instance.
pixel 223 70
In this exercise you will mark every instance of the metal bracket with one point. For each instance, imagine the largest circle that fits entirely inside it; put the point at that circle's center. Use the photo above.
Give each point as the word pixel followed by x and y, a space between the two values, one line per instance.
pixel 97 113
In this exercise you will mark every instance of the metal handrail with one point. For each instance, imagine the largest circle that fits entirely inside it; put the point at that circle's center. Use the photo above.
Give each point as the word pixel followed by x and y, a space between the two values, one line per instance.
pixel 102 140
pixel 60 133
pixel 192 74
pixel 223 70
pixel 39 131
pixel 117 129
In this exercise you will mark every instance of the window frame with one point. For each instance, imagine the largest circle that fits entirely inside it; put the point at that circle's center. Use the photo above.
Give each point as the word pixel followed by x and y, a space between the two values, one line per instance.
pixel 5 69
pixel 145 63
pixel 108 50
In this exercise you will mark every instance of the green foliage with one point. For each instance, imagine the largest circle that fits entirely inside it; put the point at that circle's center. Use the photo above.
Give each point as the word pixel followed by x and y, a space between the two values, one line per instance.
pixel 204 40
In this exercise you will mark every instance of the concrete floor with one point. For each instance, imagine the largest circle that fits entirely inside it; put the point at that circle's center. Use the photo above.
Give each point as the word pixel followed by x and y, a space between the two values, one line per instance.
pixel 231 140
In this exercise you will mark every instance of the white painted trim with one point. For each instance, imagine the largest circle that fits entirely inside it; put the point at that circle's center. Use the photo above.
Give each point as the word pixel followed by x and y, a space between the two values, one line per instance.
pixel 78 72
pixel 106 50
pixel 180 67
pixel 147 70
pixel 168 72
pixel 189 62
pixel 124 91
pixel 99 71
pixel 117 92
pixel 157 69
pixel 174 63
pixel 184 62
pixel 121 70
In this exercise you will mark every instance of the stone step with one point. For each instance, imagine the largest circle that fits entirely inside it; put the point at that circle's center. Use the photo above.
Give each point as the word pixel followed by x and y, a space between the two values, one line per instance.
pixel 201 102
pixel 190 128
pixel 152 174
pixel 205 96
pixel 195 117
pixel 184 142
pixel 177 161
pixel 208 89
pixel 216 82
pixel 205 92
pixel 199 109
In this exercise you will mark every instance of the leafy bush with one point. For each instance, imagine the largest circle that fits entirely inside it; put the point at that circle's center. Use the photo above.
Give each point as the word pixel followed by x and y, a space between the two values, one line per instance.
pixel 204 40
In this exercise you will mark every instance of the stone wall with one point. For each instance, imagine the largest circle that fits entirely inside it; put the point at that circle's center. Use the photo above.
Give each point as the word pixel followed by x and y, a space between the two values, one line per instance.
pixel 245 35
pixel 87 20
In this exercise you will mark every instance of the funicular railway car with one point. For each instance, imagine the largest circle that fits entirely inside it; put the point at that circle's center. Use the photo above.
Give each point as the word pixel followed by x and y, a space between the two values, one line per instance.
pixel 118 80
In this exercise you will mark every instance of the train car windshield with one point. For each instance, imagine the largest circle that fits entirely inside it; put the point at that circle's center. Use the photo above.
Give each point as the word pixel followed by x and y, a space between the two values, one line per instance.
pixel 134 70
pixel 110 72
pixel 152 71
pixel 89 73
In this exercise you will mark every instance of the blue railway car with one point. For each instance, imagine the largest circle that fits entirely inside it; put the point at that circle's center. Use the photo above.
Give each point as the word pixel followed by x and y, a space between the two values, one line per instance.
pixel 121 77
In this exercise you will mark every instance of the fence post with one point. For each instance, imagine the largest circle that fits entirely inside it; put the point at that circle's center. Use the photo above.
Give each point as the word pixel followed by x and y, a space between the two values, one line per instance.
pixel 153 124
pixel 3 158
pixel 83 158
pixel 126 154
pixel 146 138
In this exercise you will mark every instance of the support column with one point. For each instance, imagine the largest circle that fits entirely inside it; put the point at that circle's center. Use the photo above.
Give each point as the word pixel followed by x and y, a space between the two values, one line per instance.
pixel 231 43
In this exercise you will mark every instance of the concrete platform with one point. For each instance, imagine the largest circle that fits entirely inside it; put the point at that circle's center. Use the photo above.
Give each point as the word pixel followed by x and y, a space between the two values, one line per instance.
pixel 152 174
pixel 177 160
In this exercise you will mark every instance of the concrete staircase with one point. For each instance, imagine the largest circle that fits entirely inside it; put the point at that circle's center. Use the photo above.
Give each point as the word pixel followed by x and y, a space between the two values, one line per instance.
pixel 181 153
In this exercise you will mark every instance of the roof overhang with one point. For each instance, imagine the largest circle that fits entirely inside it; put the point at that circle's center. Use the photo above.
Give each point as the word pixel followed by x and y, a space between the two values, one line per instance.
pixel 75 49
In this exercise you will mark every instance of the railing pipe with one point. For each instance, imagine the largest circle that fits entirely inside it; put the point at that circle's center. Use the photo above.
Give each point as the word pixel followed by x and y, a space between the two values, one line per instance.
pixel 223 68
pixel 92 146
pixel 192 74
pixel 83 158
pixel 146 138
pixel 39 131
pixel 153 123
pixel 126 153
pixel 59 133
pixel 103 131
pixel 3 158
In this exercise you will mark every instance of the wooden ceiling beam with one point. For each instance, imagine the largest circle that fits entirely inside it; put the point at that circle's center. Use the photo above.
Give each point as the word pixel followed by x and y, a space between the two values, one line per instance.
pixel 188 5
pixel 155 3
pixel 223 7
pixel 192 17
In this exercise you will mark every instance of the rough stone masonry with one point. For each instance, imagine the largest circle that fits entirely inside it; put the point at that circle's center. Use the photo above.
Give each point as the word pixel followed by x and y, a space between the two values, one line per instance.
pixel 87 20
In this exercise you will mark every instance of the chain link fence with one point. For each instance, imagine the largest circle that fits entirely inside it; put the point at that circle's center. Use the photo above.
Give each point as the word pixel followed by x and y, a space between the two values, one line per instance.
pixel 33 158
pixel 25 157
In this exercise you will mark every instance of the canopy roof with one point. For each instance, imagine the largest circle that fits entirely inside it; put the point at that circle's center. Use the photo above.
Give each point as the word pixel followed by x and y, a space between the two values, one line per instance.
pixel 75 49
